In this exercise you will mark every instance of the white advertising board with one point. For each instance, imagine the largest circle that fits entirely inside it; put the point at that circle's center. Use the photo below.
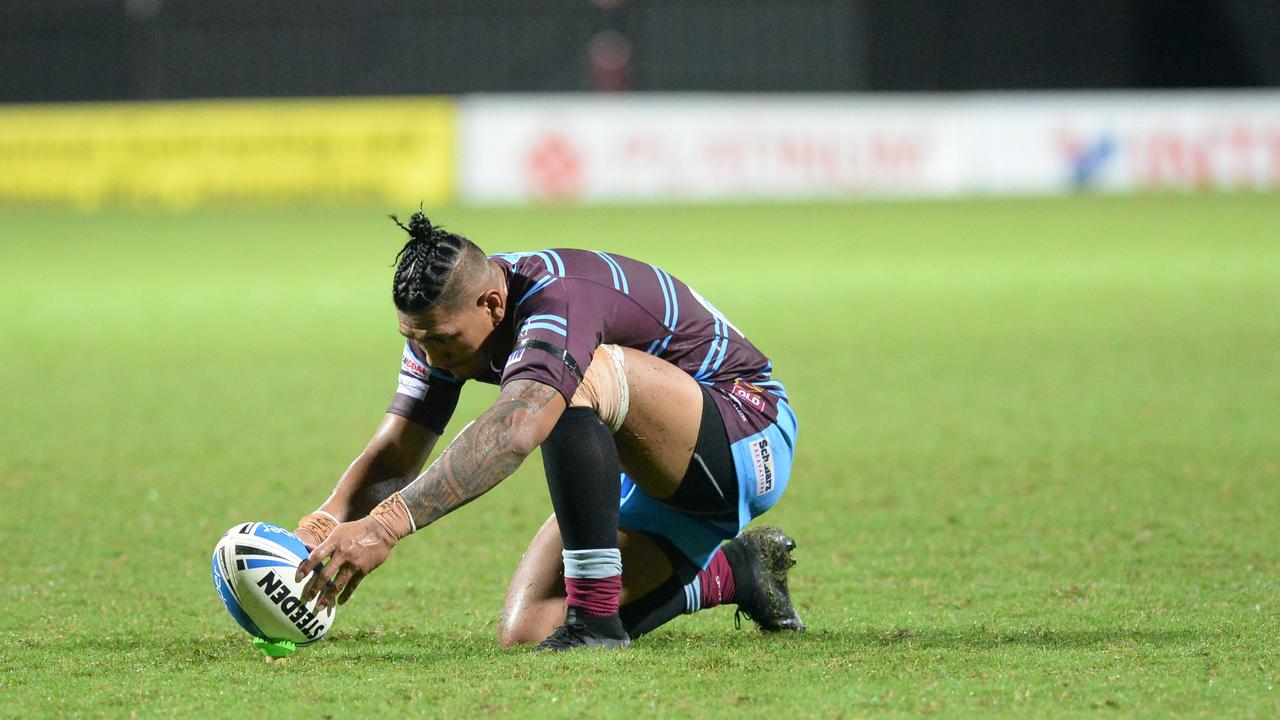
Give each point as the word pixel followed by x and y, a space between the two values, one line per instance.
pixel 699 147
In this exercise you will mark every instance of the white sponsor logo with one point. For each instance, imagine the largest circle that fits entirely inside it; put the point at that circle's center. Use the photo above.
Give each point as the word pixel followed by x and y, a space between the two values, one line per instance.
pixel 412 387
pixel 762 458
pixel 686 148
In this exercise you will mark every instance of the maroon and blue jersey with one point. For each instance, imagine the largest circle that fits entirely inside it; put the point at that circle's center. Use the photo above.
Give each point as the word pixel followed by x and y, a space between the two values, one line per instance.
pixel 562 304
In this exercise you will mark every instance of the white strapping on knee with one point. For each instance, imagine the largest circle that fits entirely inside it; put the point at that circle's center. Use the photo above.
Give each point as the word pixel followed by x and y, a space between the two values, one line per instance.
pixel 604 388
pixel 619 413
pixel 592 564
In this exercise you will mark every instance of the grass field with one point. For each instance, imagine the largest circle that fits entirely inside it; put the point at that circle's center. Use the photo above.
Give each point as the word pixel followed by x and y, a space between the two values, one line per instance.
pixel 1038 470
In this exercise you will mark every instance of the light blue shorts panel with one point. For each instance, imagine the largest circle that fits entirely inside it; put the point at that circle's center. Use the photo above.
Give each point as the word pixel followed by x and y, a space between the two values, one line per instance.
pixel 763 462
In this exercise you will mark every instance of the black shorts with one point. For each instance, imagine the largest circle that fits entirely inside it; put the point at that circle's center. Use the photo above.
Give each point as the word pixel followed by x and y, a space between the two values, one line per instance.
pixel 709 488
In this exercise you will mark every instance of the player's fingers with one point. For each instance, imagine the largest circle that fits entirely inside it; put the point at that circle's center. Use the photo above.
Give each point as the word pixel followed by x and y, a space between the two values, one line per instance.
pixel 323 574
pixel 350 588
pixel 333 587
pixel 312 561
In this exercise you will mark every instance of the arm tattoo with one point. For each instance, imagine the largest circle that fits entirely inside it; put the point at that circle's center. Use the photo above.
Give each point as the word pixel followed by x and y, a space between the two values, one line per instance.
pixel 482 455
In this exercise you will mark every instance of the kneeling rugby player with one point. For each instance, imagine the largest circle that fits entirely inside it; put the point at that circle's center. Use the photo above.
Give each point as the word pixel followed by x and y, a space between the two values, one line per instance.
pixel 662 432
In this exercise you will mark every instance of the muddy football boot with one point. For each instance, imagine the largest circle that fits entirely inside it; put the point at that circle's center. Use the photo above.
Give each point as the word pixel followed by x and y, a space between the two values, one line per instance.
pixel 760 558
pixel 582 629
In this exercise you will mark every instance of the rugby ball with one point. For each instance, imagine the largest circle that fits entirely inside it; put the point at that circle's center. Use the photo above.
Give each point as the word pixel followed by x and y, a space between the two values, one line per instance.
pixel 253 569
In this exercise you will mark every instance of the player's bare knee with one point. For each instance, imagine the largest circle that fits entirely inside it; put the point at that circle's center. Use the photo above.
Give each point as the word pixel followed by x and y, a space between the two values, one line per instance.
pixel 527 624
pixel 517 634
pixel 604 387
pixel 508 635
pixel 509 627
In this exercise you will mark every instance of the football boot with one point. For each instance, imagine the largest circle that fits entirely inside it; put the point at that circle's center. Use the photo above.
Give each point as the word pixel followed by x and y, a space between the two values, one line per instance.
pixel 760 558
pixel 584 630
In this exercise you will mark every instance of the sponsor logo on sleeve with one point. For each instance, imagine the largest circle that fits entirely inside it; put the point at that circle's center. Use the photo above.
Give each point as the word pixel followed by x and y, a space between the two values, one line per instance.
pixel 762 460
pixel 412 386
pixel 413 366
pixel 515 357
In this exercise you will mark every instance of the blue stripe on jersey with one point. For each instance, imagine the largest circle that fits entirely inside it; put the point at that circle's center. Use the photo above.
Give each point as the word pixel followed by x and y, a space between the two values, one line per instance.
pixel 702 369
pixel 724 347
pixel 554 318
pixel 512 257
pixel 612 270
pixel 618 273
pixel 543 326
pixel 552 267
pixel 537 288
pixel 718 346
pixel 655 349
pixel 626 286
pixel 559 263
pixel 675 301
pixel 666 299
pixel 515 258
pixel 774 387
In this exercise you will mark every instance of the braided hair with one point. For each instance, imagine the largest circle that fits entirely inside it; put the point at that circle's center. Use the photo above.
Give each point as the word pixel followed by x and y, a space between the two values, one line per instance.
pixel 426 263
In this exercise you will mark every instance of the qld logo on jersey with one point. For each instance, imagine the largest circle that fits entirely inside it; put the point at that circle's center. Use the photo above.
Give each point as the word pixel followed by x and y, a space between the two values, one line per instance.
pixel 748 393
pixel 762 461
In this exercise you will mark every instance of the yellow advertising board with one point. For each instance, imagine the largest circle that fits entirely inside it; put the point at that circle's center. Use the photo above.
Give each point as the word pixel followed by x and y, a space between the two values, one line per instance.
pixel 182 154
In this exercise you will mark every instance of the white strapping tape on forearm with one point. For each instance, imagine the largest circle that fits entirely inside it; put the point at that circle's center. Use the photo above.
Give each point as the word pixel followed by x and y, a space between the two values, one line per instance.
pixel 604 387
pixel 593 564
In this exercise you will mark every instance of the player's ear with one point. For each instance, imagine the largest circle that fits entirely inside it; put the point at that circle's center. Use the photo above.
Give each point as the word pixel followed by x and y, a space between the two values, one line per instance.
pixel 492 301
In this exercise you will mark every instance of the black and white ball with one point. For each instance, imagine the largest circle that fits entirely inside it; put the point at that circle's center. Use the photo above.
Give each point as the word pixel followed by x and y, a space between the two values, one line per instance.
pixel 253 569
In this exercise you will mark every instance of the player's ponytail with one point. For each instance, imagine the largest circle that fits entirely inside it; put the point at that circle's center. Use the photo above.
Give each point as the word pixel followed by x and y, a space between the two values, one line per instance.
pixel 425 263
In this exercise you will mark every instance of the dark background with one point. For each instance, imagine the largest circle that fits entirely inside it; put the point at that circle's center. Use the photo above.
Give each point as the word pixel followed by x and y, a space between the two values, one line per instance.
pixel 150 49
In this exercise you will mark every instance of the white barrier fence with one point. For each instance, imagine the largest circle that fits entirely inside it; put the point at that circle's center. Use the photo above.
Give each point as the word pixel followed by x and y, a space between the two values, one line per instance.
pixel 665 148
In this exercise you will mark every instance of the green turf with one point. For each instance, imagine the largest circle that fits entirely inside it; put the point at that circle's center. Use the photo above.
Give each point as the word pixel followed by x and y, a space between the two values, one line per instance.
pixel 1038 469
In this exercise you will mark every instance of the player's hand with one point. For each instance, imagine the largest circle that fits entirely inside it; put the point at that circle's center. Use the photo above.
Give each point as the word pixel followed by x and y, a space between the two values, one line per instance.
pixel 354 550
